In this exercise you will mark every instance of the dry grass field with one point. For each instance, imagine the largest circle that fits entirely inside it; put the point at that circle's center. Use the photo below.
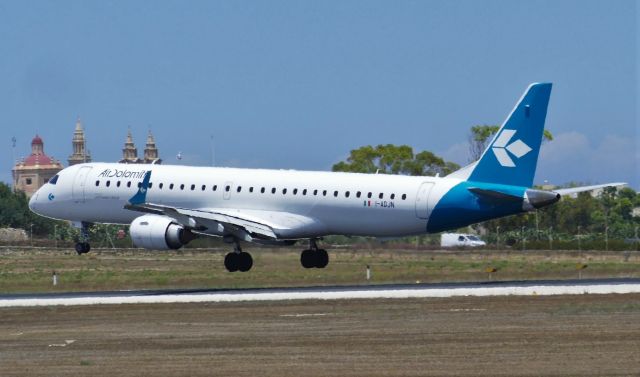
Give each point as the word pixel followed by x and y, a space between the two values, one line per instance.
pixel 30 269
pixel 584 335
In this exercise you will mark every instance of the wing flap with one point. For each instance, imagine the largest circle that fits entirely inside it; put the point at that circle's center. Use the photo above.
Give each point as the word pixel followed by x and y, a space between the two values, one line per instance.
pixel 207 221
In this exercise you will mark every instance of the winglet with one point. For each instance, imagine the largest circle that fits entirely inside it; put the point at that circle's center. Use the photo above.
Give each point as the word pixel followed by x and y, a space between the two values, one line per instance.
pixel 141 196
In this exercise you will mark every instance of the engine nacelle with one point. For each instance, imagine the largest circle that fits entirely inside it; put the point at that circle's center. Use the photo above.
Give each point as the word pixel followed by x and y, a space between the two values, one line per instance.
pixel 159 232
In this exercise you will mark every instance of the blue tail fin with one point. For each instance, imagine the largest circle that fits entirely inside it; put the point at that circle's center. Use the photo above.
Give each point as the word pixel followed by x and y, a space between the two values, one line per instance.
pixel 512 155
pixel 141 195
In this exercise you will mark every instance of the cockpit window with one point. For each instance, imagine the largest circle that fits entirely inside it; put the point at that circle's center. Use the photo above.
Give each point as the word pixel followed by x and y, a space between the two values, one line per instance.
pixel 54 179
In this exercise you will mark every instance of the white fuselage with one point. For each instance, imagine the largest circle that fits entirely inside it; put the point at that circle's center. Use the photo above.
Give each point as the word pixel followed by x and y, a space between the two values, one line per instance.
pixel 330 203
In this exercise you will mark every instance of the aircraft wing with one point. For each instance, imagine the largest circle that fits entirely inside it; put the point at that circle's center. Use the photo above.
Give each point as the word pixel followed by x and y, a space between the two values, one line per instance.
pixel 243 224
pixel 211 221
pixel 575 190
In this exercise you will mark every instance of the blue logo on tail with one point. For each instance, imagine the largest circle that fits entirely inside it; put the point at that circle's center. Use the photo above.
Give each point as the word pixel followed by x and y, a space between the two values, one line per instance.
pixel 512 157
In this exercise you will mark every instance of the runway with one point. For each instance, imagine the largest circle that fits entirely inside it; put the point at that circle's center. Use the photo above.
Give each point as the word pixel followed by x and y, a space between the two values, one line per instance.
pixel 502 288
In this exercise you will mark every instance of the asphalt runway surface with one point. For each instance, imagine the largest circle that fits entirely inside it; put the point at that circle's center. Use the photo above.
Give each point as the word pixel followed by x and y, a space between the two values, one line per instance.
pixel 555 335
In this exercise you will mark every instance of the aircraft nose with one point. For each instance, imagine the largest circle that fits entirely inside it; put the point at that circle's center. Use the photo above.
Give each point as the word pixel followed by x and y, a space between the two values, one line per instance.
pixel 33 201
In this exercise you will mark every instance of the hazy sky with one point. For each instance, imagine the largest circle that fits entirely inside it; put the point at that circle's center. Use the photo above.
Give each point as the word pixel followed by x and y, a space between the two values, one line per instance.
pixel 298 84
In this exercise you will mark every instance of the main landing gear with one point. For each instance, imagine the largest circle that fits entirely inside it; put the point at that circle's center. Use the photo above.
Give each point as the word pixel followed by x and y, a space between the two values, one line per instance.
pixel 82 246
pixel 238 260
pixel 314 257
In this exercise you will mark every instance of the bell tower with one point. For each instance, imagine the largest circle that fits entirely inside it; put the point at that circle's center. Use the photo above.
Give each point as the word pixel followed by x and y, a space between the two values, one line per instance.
pixel 80 153
pixel 151 151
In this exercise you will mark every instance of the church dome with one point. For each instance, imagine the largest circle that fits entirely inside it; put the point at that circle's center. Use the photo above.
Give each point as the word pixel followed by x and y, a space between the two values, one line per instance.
pixel 37 140
pixel 37 156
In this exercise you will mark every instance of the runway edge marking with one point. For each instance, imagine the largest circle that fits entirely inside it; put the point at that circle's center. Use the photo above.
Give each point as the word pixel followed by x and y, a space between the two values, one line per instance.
pixel 539 290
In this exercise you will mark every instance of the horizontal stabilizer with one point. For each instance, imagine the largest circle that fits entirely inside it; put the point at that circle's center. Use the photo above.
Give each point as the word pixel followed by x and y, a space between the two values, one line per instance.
pixel 575 190
pixel 494 196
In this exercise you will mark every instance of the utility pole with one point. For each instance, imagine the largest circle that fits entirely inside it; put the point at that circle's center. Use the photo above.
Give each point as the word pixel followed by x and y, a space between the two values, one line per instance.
pixel 498 237
pixel 579 241
pixel 606 231
pixel 13 157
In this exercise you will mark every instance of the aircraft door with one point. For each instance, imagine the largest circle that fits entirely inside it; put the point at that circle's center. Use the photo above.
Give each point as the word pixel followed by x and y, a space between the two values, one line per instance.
pixel 423 209
pixel 79 182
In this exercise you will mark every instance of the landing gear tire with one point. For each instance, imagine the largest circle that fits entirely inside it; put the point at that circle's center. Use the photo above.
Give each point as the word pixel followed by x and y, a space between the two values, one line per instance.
pixel 308 258
pixel 245 262
pixel 235 261
pixel 82 248
pixel 231 261
pixel 322 258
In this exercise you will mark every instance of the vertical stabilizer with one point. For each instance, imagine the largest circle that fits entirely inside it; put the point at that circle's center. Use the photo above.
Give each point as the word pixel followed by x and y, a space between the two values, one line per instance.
pixel 512 155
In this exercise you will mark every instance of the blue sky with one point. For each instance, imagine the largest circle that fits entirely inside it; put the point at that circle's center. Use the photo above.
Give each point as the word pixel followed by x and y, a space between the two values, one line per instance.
pixel 295 84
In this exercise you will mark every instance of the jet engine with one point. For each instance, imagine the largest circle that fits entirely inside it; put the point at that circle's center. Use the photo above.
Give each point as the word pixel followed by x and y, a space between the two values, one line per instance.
pixel 159 232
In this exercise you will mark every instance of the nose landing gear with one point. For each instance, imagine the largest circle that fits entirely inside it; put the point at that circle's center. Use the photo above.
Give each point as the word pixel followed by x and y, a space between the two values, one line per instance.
pixel 83 246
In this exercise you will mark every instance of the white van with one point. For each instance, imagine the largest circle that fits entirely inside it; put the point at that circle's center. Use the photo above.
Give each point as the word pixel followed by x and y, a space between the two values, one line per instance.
pixel 460 240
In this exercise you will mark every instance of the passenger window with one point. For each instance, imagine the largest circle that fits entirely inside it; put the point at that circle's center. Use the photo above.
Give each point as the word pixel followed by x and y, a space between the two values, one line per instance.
pixel 160 186
pixel 215 187
pixel 304 192
pixel 404 196
pixel 358 194
pixel 204 187
pixel 182 186
pixel 315 192
pixel 295 191
pixel 150 184
pixel 284 191
pixel 139 184
pixel 335 193
pixel 393 196
pixel 346 194
pixel 251 189
pixel 118 184
pixel 262 190
pixel 227 188
pixel 54 179
pixel 369 195
pixel 171 186
pixel 381 195
pixel 108 183
pixel 97 183
pixel 239 189
pixel 273 190
pixel 324 192
pixel 129 184
pixel 193 187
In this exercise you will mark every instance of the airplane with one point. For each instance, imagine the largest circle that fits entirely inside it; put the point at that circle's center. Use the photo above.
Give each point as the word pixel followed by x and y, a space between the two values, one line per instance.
pixel 168 206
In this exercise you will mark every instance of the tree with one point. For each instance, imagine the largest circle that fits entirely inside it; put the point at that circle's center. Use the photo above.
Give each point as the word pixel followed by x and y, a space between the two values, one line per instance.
pixel 481 135
pixel 15 213
pixel 394 159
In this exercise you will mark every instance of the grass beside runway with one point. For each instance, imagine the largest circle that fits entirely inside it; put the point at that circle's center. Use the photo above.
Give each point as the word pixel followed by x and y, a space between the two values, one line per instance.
pixel 579 335
pixel 30 270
